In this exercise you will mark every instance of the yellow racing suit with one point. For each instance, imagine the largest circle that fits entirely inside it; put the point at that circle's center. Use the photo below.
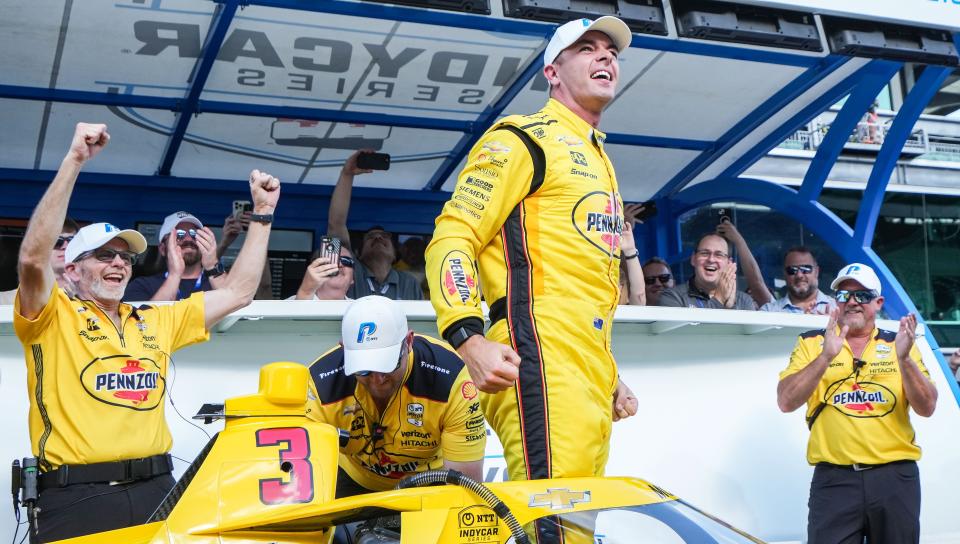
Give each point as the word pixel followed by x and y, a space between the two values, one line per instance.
pixel 535 219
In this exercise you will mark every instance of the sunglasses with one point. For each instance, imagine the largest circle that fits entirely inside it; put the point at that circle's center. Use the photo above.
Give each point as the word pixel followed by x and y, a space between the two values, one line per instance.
pixel 346 261
pixel 107 255
pixel 365 373
pixel 62 242
pixel 181 234
pixel 862 297
pixel 794 270
pixel 662 278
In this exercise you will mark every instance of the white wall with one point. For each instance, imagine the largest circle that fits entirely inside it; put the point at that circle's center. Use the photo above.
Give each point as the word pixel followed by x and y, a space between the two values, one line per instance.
pixel 708 430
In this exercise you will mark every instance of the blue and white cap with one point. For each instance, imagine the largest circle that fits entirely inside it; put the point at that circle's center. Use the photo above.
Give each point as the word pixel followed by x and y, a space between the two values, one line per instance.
pixel 96 235
pixel 568 33
pixel 860 273
pixel 372 332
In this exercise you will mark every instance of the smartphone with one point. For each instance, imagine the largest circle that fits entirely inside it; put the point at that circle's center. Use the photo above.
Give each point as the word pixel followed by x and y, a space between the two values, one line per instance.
pixel 649 210
pixel 725 216
pixel 240 206
pixel 373 161
pixel 330 250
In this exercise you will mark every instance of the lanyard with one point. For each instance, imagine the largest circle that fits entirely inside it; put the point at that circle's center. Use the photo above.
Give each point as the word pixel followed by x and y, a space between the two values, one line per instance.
pixel 196 285
pixel 383 288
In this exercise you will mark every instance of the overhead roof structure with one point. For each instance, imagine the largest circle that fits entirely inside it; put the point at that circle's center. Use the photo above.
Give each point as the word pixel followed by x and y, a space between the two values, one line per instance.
pixel 196 93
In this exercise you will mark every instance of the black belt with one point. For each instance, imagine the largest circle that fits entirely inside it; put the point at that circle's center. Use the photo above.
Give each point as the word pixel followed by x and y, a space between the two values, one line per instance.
pixel 127 470
pixel 859 467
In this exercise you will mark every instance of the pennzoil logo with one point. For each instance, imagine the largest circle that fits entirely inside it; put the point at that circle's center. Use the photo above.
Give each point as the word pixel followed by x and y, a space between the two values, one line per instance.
pixel 864 399
pixel 459 277
pixel 123 381
pixel 598 217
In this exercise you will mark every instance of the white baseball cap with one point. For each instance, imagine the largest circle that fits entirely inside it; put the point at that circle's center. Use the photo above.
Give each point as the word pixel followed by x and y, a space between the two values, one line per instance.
pixel 568 33
pixel 96 235
pixel 372 332
pixel 174 219
pixel 861 273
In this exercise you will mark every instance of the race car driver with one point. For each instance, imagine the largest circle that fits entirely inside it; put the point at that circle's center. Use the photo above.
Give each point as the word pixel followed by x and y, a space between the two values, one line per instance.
pixel 406 399
pixel 536 214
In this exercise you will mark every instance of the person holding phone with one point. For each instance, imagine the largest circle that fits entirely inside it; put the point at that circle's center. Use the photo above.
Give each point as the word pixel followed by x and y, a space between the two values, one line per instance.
pixel 373 269
pixel 69 230
pixel 329 274
pixel 188 252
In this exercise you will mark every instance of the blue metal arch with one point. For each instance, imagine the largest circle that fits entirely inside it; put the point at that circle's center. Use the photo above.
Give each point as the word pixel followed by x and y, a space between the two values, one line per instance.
pixel 821 221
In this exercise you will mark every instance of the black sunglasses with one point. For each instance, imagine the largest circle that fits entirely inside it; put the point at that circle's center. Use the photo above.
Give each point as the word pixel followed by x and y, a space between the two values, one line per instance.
pixel 346 261
pixel 796 269
pixel 62 242
pixel 663 278
pixel 107 255
pixel 862 297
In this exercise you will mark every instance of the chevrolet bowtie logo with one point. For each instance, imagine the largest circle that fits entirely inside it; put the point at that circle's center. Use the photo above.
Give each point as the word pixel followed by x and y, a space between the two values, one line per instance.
pixel 559 499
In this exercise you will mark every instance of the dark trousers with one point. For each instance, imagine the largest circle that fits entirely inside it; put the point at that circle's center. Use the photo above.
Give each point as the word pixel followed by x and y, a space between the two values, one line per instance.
pixel 347 487
pixel 881 505
pixel 82 509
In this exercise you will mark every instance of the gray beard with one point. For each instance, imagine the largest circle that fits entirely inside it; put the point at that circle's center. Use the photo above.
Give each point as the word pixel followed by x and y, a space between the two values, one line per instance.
pixel 802 295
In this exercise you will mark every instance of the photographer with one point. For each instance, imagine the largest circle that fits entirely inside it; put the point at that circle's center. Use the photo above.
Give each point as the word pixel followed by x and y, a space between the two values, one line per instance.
pixel 325 279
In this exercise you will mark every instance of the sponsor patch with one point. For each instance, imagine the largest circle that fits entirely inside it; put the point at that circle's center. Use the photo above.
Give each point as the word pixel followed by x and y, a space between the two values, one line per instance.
pixel 599 220
pixel 468 390
pixel 570 141
pixel 459 279
pixel 863 399
pixel 883 348
pixel 125 382
pixel 539 133
pixel 579 158
pixel 415 414
pixel 470 202
pixel 479 183
pixel 496 148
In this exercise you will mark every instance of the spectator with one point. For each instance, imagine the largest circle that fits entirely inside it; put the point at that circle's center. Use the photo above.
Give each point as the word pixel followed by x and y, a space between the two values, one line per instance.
pixel 858 383
pixel 373 271
pixel 631 273
pixel 802 275
pixel 390 384
pixel 190 252
pixel 67 232
pixel 656 277
pixel 324 280
pixel 714 281
pixel 751 270
pixel 535 219
pixel 102 451
pixel 411 258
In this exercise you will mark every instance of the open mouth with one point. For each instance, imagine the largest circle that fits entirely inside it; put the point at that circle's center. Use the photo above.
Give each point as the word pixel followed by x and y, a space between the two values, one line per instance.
pixel 711 268
pixel 115 279
pixel 602 74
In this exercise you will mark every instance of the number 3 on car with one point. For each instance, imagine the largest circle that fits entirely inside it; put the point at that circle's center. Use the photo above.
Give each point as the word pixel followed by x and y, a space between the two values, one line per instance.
pixel 294 460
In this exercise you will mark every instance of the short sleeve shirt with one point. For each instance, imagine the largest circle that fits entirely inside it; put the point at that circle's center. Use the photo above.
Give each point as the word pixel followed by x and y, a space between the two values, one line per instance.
pixel 866 418
pixel 97 391
pixel 434 416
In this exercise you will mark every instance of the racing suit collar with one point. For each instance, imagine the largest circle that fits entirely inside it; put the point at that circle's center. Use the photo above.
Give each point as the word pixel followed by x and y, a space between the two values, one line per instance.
pixel 583 128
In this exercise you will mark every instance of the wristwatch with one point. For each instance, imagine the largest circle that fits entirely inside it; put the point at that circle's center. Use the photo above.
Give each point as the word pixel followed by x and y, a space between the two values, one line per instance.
pixel 460 335
pixel 634 256
pixel 217 270
pixel 265 218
